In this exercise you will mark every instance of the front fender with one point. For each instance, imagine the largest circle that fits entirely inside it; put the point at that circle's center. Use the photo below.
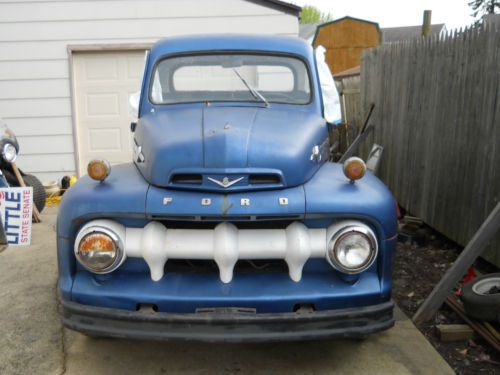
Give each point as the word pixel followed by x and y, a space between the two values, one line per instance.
pixel 123 194
pixel 330 193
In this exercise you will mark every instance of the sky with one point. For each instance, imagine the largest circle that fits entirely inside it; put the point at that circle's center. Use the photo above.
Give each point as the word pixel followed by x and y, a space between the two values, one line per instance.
pixel 392 13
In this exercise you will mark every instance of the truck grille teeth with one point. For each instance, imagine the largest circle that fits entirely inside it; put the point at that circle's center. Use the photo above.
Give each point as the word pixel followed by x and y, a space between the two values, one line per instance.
pixel 225 244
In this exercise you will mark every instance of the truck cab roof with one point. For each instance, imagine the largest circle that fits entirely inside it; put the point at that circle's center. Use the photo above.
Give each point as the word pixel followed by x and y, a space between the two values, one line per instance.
pixel 231 42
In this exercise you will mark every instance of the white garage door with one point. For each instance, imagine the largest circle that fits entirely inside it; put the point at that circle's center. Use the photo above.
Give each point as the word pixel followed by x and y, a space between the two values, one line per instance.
pixel 103 82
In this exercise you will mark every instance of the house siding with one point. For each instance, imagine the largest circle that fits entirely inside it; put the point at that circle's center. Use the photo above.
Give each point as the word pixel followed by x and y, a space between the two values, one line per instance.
pixel 35 88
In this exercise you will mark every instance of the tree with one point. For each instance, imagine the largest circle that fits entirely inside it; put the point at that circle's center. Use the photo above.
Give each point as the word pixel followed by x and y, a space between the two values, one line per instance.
pixel 311 14
pixel 482 7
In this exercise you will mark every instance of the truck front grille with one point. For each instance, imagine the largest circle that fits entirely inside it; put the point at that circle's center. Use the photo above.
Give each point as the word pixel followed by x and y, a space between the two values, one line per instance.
pixel 187 179
pixel 226 182
pixel 225 244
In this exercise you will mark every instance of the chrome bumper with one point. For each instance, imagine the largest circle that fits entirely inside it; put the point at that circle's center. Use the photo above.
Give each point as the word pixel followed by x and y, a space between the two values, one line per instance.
pixel 225 244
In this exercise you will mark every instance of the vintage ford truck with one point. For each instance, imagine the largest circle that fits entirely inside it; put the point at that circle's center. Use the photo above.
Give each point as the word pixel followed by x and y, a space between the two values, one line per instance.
pixel 230 223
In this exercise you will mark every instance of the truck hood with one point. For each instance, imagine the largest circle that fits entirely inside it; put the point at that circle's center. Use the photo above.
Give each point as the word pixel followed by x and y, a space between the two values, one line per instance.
pixel 228 148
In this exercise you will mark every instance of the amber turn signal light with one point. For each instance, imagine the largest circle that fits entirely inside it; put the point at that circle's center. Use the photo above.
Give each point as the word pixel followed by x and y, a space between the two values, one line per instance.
pixel 99 169
pixel 354 168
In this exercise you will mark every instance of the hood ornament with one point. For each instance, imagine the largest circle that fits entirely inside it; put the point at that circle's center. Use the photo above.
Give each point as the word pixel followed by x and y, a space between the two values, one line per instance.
pixel 225 183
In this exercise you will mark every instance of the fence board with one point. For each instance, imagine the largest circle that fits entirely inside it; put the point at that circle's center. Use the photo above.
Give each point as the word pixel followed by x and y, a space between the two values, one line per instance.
pixel 438 118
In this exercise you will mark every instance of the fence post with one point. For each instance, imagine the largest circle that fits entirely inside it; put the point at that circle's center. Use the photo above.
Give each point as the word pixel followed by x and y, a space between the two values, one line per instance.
pixel 426 25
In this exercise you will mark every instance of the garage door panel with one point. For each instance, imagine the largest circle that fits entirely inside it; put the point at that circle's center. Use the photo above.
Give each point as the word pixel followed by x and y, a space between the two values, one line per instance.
pixel 103 83
pixel 99 68
pixel 102 104
pixel 103 140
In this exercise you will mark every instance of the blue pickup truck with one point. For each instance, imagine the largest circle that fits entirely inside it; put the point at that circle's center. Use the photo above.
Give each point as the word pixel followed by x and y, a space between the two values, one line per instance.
pixel 230 223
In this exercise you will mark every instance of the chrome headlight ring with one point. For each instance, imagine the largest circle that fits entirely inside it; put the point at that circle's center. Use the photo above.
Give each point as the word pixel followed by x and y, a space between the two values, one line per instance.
pixel 9 152
pixel 339 237
pixel 120 257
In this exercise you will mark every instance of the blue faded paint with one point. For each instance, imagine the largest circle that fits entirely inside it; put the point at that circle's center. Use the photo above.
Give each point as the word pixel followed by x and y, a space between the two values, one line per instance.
pixel 248 43
pixel 134 204
pixel 275 292
pixel 329 192
pixel 189 203
pixel 195 138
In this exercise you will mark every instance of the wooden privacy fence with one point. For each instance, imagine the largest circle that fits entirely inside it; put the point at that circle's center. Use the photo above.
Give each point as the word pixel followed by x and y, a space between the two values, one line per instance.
pixel 350 100
pixel 350 97
pixel 437 116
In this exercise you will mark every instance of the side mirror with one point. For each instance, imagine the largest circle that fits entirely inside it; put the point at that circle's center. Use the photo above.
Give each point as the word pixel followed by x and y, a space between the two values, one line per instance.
pixel 133 102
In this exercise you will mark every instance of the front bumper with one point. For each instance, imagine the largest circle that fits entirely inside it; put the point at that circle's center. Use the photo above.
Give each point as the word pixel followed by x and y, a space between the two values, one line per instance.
pixel 225 244
pixel 228 326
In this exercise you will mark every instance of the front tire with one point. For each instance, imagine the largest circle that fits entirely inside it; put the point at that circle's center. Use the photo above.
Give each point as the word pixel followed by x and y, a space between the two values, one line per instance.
pixel 39 195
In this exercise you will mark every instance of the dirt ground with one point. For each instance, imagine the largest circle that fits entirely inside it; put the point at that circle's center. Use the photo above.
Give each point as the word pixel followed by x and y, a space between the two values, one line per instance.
pixel 418 266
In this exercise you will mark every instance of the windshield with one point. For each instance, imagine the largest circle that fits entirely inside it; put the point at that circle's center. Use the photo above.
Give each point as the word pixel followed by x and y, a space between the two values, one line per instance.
pixel 231 77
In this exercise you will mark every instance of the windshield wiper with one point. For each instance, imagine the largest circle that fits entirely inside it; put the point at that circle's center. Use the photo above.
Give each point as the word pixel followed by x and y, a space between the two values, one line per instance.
pixel 257 95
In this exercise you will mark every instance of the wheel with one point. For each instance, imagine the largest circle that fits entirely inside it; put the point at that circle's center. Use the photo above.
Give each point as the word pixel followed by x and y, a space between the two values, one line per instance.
pixel 481 297
pixel 39 195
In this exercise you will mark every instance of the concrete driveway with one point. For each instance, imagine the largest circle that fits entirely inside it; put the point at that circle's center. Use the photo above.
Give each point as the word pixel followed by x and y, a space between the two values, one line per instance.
pixel 32 340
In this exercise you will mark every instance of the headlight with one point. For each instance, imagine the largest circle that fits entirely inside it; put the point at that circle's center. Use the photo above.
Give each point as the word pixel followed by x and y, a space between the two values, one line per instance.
pixel 352 249
pixel 9 152
pixel 99 249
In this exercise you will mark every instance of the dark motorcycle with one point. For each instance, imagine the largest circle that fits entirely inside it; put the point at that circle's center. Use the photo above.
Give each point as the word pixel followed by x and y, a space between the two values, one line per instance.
pixel 9 149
